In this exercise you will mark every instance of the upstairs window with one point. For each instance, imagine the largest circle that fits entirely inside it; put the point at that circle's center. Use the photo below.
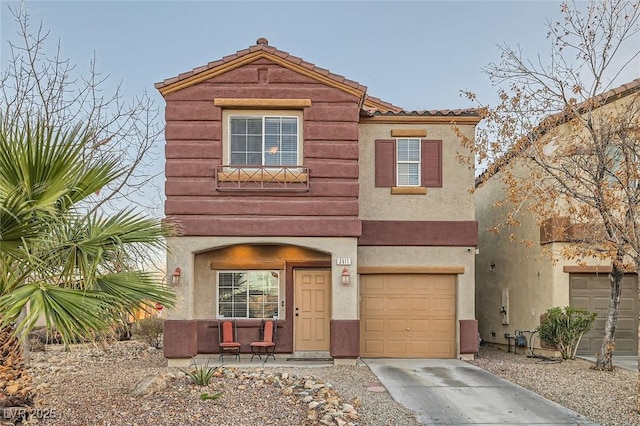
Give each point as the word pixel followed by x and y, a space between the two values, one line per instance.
pixel 408 158
pixel 408 162
pixel 263 141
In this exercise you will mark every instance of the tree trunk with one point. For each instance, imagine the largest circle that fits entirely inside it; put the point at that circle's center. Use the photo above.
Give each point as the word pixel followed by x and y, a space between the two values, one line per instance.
pixel 15 384
pixel 638 375
pixel 605 358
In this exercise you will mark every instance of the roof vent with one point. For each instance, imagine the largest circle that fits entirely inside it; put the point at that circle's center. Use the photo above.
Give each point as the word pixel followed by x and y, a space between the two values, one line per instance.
pixel 262 40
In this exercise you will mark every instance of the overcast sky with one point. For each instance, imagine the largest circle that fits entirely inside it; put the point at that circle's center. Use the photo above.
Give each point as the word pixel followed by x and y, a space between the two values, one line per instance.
pixel 415 54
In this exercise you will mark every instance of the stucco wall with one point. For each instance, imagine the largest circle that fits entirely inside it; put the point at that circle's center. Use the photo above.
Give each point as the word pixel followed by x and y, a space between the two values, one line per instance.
pixel 451 202
pixel 507 264
pixel 195 146
pixel 535 283
pixel 430 256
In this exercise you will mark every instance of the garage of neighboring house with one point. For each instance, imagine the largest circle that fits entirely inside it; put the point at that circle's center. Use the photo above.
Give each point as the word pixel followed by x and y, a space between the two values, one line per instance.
pixel 591 291
pixel 408 316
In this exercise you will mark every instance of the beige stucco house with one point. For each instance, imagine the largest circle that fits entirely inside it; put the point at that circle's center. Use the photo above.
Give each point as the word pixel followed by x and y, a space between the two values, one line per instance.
pixel 516 283
pixel 303 198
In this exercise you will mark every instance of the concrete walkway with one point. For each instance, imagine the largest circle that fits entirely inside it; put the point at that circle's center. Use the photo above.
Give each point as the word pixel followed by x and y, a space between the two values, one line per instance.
pixel 453 392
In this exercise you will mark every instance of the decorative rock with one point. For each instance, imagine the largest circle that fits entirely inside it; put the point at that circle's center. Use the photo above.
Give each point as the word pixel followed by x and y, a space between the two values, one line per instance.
pixel 322 400
pixel 356 402
pixel 150 384
pixel 376 389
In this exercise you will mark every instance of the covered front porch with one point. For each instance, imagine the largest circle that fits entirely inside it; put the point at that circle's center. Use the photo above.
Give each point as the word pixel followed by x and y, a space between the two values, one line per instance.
pixel 301 287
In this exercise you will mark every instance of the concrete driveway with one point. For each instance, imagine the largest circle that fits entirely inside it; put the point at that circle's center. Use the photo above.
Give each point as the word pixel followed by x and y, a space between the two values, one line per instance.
pixel 453 392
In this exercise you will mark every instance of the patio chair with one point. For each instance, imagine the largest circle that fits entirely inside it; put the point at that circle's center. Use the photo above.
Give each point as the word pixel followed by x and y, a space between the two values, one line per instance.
pixel 228 338
pixel 267 343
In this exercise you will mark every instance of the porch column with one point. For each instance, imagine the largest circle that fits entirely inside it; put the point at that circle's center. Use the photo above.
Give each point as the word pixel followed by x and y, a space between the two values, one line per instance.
pixel 345 324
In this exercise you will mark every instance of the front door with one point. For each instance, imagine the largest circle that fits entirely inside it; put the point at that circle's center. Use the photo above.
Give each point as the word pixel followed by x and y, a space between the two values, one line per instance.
pixel 312 309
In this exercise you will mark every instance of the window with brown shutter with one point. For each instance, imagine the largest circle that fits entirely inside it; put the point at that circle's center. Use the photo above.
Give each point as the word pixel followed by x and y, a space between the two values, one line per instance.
pixel 386 163
pixel 431 163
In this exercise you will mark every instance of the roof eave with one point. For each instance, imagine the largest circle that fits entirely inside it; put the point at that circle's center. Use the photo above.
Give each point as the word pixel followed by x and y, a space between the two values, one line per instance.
pixel 169 86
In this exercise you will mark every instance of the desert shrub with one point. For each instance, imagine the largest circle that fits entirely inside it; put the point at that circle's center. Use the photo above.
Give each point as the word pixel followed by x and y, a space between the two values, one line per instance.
pixel 564 327
pixel 210 396
pixel 201 374
pixel 36 344
pixel 149 330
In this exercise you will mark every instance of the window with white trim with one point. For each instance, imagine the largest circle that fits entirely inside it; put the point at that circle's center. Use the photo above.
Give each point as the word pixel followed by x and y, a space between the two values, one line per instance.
pixel 263 140
pixel 248 294
pixel 408 162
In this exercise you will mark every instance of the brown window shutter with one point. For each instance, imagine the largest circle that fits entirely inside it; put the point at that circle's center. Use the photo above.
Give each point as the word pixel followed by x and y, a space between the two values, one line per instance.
pixel 431 163
pixel 385 162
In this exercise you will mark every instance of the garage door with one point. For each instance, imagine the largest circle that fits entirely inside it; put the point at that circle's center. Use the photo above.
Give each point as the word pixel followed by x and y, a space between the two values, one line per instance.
pixel 591 291
pixel 408 316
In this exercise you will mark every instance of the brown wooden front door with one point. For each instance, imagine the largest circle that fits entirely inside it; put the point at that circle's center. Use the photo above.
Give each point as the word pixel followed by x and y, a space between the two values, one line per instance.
pixel 312 309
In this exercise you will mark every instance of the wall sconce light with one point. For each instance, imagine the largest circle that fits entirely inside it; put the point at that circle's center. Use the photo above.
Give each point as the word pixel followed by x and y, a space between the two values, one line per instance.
pixel 345 276
pixel 175 277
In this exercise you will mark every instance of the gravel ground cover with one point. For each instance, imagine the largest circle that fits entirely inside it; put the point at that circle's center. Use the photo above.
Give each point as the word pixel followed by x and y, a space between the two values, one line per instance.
pixel 608 398
pixel 92 385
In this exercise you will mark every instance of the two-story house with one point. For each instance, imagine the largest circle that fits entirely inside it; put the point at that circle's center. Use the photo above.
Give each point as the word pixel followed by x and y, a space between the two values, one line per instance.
pixel 517 283
pixel 301 197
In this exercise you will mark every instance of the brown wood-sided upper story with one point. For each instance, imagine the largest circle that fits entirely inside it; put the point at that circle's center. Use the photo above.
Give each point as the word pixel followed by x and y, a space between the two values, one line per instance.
pixel 262 143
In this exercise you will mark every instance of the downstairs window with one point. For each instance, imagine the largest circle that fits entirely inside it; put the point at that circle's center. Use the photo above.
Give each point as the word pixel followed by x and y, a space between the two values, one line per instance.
pixel 248 294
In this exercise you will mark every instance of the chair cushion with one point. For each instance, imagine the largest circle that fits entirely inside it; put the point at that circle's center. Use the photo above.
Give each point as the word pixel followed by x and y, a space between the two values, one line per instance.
pixel 263 344
pixel 230 344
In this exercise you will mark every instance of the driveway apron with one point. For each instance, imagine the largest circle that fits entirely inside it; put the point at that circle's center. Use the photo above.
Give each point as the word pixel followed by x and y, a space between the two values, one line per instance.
pixel 453 392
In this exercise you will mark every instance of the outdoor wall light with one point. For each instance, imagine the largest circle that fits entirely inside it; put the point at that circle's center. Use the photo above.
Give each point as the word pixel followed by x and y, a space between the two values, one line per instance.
pixel 345 276
pixel 175 277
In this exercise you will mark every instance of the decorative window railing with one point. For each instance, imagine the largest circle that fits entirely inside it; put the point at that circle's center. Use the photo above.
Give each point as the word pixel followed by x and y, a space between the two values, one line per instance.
pixel 257 178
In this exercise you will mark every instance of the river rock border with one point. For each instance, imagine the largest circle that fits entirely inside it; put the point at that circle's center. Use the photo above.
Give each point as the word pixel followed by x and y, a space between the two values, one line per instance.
pixel 324 404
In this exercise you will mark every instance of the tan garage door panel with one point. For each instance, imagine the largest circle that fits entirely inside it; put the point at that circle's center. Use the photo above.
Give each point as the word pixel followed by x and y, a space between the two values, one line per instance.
pixel 408 316
pixel 591 292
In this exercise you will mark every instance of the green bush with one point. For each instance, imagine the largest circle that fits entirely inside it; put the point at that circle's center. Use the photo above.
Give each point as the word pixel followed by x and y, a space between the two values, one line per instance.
pixel 564 327
pixel 150 331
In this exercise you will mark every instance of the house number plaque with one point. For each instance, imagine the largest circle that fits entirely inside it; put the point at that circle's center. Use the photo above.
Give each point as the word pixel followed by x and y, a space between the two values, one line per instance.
pixel 343 261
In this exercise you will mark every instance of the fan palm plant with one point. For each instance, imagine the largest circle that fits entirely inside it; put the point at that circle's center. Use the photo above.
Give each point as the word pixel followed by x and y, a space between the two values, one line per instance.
pixel 59 259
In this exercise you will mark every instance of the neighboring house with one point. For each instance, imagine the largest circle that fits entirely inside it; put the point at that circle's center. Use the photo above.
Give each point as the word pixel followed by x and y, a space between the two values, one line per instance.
pixel 515 284
pixel 301 197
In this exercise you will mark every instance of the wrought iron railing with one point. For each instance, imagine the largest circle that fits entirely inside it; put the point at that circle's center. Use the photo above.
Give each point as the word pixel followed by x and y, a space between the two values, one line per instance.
pixel 256 178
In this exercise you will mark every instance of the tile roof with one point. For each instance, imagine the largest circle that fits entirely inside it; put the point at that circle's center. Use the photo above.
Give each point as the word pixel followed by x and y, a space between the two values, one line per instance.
pixel 425 113
pixel 371 106
pixel 262 45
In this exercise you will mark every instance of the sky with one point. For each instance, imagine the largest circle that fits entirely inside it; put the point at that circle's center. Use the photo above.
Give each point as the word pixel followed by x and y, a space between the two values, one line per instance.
pixel 414 54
